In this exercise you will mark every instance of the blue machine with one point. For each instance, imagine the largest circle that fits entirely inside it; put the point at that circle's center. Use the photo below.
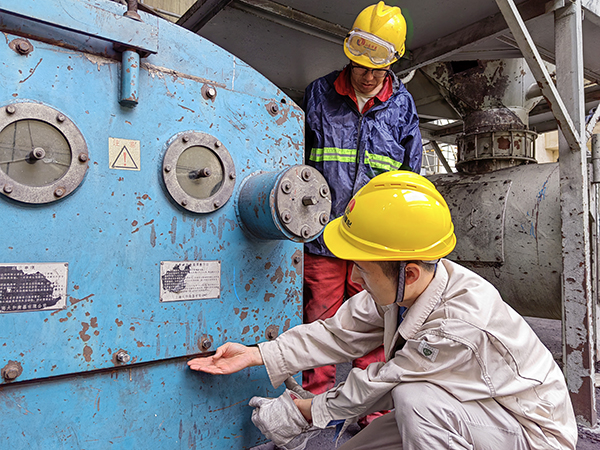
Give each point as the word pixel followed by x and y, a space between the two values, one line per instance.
pixel 153 205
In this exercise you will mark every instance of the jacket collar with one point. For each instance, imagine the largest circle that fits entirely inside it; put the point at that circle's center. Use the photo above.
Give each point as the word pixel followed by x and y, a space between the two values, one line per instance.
pixel 417 314
pixel 343 86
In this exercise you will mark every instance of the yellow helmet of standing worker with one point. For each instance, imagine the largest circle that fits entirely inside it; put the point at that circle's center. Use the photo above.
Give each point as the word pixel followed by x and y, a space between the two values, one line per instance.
pixel 377 36
pixel 397 216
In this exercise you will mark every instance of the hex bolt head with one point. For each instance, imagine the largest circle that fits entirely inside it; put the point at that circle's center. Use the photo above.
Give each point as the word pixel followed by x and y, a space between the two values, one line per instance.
pixel 231 175
pixel 323 219
pixel 297 260
pixel 206 344
pixel 59 192
pixel 10 109
pixel 83 157
pixel 185 138
pixel 305 231
pixel 218 144
pixel 24 47
pixel 184 202
pixel 306 174
pixel 309 200
pixel 286 217
pixel 211 92
pixel 274 109
pixel 286 187
pixel 61 117
pixel 11 371
pixel 167 169
pixel 217 204
pixel 8 189
pixel 324 190
pixel 123 356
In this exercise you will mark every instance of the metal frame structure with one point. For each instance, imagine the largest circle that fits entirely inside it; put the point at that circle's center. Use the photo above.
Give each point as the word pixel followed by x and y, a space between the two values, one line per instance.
pixel 578 298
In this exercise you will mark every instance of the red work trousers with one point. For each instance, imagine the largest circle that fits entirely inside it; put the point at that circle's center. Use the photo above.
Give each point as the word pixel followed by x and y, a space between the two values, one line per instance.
pixel 327 284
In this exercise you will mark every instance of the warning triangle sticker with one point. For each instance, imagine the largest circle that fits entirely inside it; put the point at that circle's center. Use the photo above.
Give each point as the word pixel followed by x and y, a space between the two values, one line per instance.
pixel 124 160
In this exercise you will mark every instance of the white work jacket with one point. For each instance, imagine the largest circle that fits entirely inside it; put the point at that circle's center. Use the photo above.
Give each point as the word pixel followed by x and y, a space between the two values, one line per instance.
pixel 459 335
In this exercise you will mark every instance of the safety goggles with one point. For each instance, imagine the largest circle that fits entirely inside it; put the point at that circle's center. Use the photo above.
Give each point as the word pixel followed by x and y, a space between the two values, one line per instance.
pixel 380 52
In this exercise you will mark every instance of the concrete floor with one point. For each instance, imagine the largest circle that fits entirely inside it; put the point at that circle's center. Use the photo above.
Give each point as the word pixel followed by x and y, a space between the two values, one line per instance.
pixel 549 331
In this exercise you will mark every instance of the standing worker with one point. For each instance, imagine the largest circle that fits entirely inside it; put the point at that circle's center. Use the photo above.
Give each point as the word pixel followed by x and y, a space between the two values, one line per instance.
pixel 463 370
pixel 360 122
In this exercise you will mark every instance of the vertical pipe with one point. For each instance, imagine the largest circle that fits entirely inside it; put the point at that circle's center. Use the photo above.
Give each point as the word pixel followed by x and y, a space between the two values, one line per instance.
pixel 578 343
pixel 130 71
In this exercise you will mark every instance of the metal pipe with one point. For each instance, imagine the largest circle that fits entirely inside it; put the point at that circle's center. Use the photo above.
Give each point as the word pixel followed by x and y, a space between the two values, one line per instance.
pixel 130 71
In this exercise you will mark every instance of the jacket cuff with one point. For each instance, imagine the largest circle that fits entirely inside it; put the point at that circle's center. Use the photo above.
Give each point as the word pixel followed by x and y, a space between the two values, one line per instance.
pixel 274 362
pixel 319 411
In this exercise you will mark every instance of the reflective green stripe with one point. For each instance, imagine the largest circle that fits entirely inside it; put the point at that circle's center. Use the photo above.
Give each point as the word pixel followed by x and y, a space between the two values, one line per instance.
pixel 333 154
pixel 381 162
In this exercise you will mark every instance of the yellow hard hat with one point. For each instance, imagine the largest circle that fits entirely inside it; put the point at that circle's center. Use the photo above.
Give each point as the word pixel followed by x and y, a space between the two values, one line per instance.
pixel 377 37
pixel 397 216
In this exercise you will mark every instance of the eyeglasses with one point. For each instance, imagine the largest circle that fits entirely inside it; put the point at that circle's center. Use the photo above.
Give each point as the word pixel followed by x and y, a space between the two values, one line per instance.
pixel 361 71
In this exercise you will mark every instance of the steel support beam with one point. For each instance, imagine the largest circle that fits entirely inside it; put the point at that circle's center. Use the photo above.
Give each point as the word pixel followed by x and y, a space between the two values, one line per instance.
pixel 200 13
pixel 440 155
pixel 536 64
pixel 443 48
pixel 578 302
pixel 204 10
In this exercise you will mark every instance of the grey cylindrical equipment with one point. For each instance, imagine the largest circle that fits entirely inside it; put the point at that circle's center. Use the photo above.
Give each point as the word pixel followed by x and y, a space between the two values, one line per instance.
pixel 508 230
pixel 292 204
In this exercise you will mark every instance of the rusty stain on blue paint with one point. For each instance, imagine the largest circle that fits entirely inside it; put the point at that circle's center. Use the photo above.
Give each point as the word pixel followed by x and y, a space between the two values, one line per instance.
pixel 31 71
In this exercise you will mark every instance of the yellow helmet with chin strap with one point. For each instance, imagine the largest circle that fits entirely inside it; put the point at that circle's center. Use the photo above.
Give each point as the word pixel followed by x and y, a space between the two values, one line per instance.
pixel 378 36
pixel 397 216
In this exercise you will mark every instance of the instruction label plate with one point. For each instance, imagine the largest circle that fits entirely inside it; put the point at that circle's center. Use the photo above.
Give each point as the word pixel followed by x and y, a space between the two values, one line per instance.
pixel 189 280
pixel 33 287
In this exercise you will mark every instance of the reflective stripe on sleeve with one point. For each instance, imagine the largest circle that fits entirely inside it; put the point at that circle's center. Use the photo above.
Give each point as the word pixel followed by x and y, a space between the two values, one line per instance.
pixel 381 162
pixel 333 154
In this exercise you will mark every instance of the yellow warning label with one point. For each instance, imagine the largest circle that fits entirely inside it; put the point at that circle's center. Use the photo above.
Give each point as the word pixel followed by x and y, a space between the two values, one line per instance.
pixel 123 154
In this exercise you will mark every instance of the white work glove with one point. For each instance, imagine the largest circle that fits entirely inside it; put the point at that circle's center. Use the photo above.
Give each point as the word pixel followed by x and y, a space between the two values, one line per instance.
pixel 280 420
pixel 293 385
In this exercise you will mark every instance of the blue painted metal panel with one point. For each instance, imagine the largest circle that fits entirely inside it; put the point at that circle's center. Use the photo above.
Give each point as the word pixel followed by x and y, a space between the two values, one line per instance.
pixel 90 18
pixel 114 231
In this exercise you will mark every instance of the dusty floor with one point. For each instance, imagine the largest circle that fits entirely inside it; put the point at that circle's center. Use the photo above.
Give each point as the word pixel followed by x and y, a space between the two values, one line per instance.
pixel 549 331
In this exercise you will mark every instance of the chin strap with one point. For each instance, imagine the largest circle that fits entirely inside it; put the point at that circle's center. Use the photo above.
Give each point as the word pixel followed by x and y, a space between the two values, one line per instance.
pixel 401 274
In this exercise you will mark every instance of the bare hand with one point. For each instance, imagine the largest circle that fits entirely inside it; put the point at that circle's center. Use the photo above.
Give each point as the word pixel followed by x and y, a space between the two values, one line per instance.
pixel 304 406
pixel 229 358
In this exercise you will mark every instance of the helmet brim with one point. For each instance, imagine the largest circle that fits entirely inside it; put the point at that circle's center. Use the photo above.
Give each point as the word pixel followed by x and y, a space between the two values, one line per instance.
pixel 337 242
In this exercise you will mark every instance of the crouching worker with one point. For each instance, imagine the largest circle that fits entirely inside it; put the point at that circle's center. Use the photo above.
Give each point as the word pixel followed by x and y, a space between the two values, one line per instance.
pixel 463 370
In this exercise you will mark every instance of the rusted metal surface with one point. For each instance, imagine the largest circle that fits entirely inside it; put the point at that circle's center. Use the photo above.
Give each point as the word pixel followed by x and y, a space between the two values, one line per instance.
pixel 578 300
pixel 491 97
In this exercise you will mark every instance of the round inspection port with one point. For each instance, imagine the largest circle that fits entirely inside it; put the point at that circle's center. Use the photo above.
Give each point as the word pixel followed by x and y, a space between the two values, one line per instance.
pixel 198 172
pixel 37 156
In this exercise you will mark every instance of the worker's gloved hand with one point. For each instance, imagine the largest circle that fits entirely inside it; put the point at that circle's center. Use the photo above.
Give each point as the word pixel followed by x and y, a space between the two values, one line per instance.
pixel 280 420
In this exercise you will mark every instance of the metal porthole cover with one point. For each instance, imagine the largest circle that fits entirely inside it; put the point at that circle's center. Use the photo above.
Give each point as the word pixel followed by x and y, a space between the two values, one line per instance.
pixel 198 172
pixel 43 155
